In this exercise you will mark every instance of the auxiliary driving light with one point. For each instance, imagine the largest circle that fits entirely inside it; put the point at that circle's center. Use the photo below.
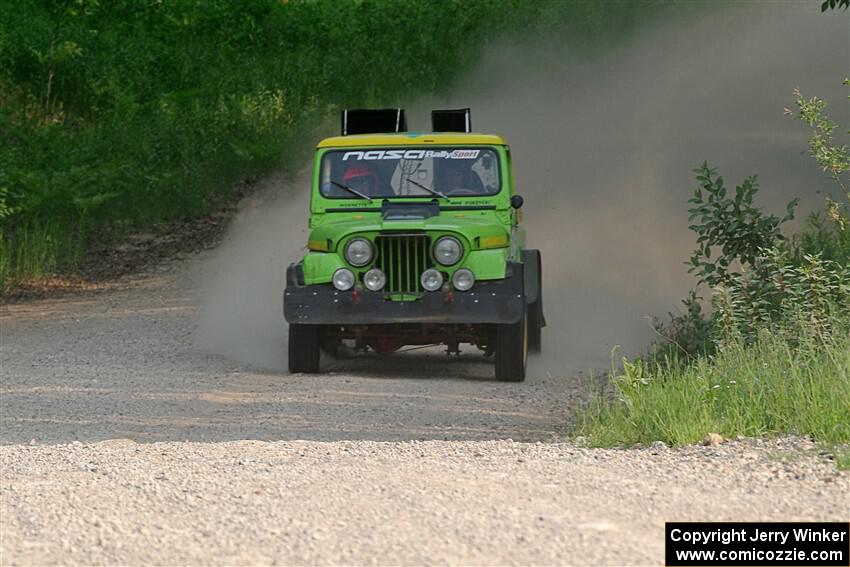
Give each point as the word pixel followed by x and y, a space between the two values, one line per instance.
pixel 358 252
pixel 463 279
pixel 431 279
pixel 448 250
pixel 343 279
pixel 374 280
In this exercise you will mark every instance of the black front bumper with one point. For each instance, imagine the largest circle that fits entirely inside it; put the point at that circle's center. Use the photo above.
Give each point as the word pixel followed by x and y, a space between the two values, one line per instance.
pixel 500 301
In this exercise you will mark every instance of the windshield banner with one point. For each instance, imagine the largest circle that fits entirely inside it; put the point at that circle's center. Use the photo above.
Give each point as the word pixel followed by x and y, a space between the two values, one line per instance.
pixel 410 154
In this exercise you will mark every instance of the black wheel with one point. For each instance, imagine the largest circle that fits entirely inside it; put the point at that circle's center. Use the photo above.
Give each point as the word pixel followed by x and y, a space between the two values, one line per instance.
pixel 512 350
pixel 304 348
pixel 329 342
pixel 535 327
pixel 536 321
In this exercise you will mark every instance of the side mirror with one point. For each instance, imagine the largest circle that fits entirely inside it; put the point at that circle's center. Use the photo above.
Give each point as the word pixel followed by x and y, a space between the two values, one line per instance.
pixel 517 201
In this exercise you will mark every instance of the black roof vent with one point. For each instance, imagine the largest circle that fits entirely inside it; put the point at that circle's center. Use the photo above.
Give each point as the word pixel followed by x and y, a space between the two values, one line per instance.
pixel 451 120
pixel 373 121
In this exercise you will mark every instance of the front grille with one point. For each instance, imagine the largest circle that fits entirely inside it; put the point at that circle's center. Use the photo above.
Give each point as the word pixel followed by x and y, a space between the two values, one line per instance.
pixel 403 258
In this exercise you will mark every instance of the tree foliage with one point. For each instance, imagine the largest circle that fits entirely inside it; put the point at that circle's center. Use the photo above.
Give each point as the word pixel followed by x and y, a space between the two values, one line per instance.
pixel 833 4
pixel 118 114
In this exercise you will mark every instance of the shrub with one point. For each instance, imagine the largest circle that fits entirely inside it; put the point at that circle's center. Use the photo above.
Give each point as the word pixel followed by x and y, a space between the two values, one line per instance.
pixel 773 357
pixel 831 240
pixel 731 226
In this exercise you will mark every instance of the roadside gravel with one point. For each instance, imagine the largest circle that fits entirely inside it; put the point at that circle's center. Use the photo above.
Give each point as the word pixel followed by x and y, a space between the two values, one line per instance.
pixel 121 443
pixel 364 502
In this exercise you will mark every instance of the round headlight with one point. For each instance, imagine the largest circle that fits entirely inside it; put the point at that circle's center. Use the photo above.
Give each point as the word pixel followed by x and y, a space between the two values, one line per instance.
pixel 358 252
pixel 374 280
pixel 463 279
pixel 431 279
pixel 343 279
pixel 448 250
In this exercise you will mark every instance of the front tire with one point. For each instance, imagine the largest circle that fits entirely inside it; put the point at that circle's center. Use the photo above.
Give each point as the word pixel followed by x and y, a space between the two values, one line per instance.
pixel 535 328
pixel 536 321
pixel 512 350
pixel 304 348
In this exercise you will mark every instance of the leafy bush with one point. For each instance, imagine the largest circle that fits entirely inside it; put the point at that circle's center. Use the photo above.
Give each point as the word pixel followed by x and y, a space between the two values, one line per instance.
pixel 732 235
pixel 831 240
pixel 733 224
pixel 773 357
pixel 828 237
pixel 784 298
pixel 686 335
pixel 761 280
pixel 832 159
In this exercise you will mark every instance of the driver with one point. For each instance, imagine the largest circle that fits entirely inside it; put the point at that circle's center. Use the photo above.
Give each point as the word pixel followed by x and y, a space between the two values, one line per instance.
pixel 459 178
pixel 362 178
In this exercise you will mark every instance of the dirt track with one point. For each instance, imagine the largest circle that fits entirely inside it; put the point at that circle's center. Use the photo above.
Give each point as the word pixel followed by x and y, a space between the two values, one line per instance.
pixel 123 444
pixel 123 364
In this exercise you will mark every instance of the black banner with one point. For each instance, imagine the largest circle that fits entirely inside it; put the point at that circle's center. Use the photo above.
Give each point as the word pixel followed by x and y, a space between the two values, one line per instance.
pixel 763 544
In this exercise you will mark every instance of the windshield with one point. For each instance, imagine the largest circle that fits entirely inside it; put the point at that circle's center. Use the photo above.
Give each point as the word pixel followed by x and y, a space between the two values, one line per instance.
pixel 441 172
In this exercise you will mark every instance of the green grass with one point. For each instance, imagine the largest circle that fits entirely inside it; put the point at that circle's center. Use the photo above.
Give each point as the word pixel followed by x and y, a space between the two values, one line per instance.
pixel 842 459
pixel 39 251
pixel 777 385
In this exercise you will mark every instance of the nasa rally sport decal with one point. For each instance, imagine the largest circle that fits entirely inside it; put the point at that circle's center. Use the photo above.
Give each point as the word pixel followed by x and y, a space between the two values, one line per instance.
pixel 410 154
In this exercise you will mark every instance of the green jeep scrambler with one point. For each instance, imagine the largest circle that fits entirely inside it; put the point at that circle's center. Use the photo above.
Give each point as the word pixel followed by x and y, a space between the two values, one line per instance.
pixel 415 239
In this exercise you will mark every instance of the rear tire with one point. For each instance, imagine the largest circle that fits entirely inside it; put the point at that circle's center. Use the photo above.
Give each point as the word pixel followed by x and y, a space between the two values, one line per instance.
pixel 304 348
pixel 329 343
pixel 512 350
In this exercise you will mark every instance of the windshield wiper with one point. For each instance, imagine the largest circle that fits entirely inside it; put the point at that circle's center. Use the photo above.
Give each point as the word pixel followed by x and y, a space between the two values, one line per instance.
pixel 352 191
pixel 430 190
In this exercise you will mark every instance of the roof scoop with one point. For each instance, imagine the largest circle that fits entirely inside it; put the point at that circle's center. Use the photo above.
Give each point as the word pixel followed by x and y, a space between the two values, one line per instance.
pixel 373 121
pixel 458 120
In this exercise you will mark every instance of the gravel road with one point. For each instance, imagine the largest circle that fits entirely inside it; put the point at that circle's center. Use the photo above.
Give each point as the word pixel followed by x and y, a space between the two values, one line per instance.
pixel 121 443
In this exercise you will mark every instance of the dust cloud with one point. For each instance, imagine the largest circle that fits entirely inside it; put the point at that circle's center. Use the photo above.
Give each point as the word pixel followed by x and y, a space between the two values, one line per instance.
pixel 242 313
pixel 603 146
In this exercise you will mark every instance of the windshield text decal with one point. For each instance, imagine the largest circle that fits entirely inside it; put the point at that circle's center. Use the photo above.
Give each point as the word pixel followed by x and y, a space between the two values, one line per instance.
pixel 411 154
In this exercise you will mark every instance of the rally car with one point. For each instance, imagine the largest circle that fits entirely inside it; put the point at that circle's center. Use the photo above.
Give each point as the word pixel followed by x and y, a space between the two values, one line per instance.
pixel 415 239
